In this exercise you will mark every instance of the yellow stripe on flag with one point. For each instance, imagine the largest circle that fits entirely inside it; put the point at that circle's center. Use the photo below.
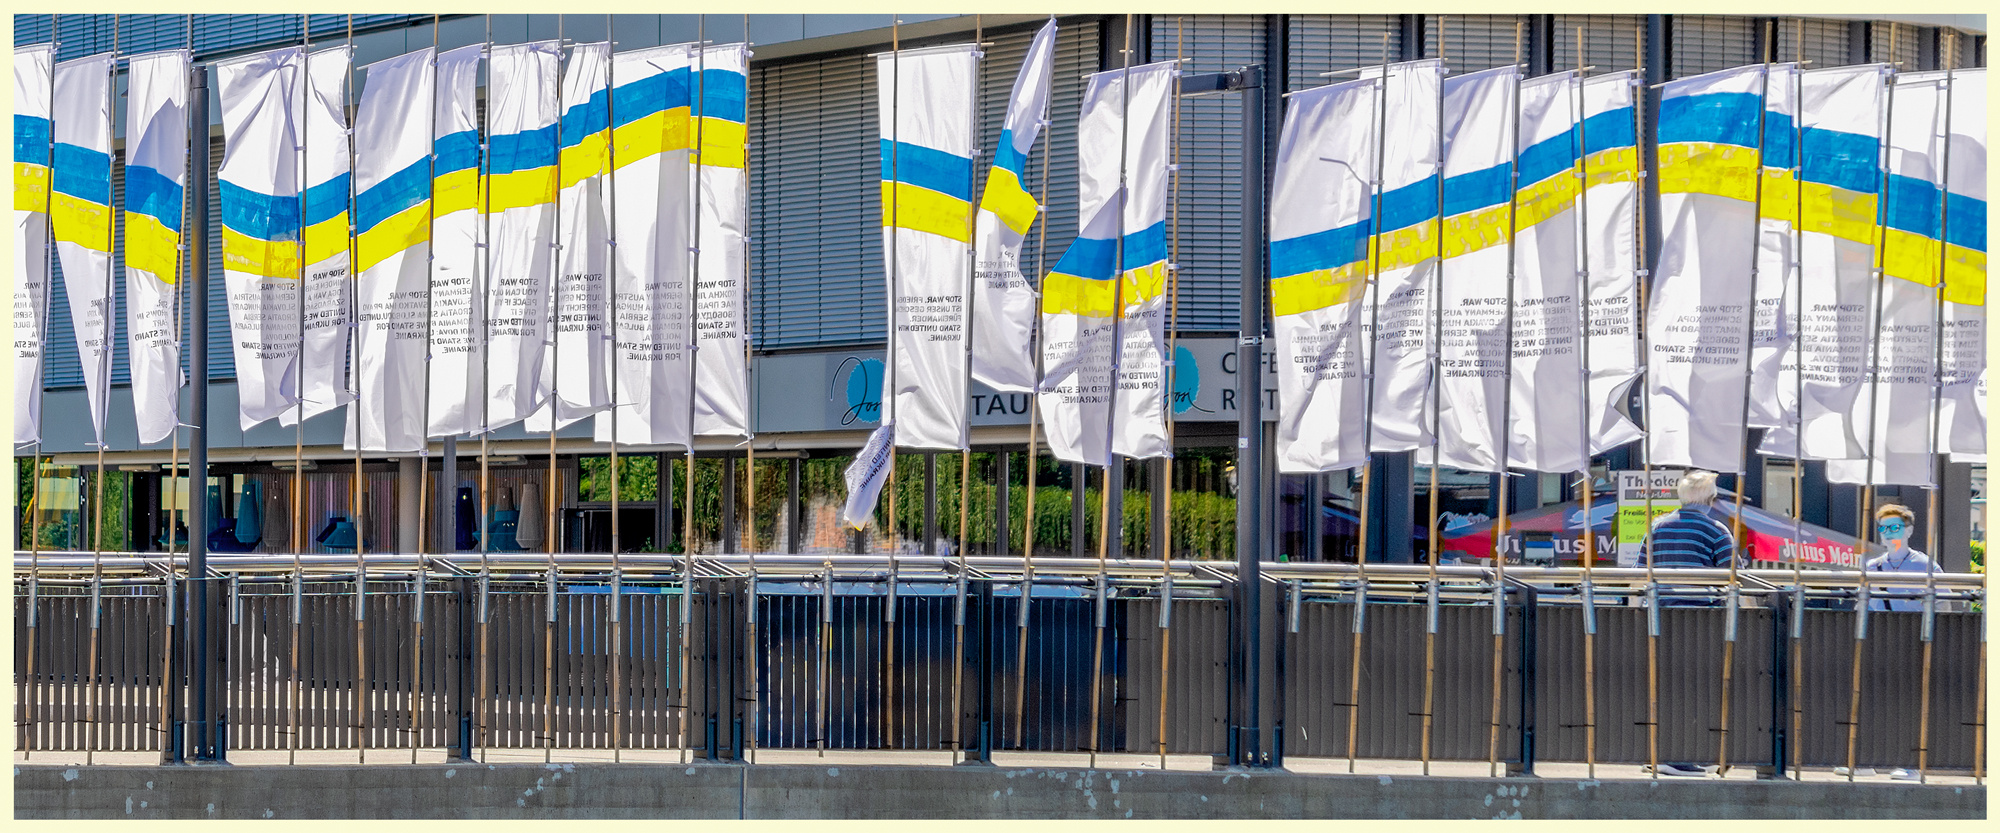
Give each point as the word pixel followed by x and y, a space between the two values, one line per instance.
pixel 151 246
pixel 456 191
pixel 1709 168
pixel 1545 199
pixel 393 235
pixel 1910 257
pixel 723 142
pixel 31 187
pixel 534 186
pixel 1409 246
pixel 1780 199
pixel 922 209
pixel 80 221
pixel 584 159
pixel 263 258
pixel 1839 212
pixel 1613 165
pixel 1008 201
pixel 651 135
pixel 1964 276
pixel 1318 289
pixel 1070 295
pixel 326 239
pixel 1475 230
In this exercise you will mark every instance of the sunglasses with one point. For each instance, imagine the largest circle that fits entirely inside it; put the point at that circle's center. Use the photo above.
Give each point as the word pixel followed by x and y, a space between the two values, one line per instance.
pixel 1891 527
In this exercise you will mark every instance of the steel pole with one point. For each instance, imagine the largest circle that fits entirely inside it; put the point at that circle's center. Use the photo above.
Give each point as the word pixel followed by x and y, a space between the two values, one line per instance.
pixel 198 520
pixel 1249 391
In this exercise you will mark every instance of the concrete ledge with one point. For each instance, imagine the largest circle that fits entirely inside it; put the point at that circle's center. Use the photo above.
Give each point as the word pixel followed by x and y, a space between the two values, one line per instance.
pixel 632 791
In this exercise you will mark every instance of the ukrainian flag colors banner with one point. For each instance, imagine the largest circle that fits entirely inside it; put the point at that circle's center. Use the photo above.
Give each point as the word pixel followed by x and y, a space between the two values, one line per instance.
pixel 1003 306
pixel 1104 304
pixel 1609 206
pixel 323 377
pixel 156 136
pixel 1322 211
pixel 1479 114
pixel 80 214
pixel 721 314
pixel 651 291
pixel 520 201
pixel 258 192
pixel 1964 366
pixel 1397 329
pixel 1773 362
pixel 457 279
pixel 1546 377
pixel 578 368
pixel 32 149
pixel 1894 412
pixel 1697 322
pixel 392 207
pixel 925 108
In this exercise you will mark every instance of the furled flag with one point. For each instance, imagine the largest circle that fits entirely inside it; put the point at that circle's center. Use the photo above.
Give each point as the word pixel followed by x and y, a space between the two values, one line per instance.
pixel 925 100
pixel 1003 299
pixel 457 279
pixel 1398 330
pixel 1610 214
pixel 1104 303
pixel 651 292
pixel 1964 368
pixel 1322 210
pixel 155 179
pixel 1698 321
pixel 392 185
pixel 578 368
pixel 866 475
pixel 1840 176
pixel 521 193
pixel 323 375
pixel 1546 418
pixel 721 314
pixel 80 210
pixel 1898 398
pixel 1479 115
pixel 1773 360
pixel 32 149
pixel 259 196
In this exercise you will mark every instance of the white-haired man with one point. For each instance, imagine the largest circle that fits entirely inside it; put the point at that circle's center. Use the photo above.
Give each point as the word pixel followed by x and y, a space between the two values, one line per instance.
pixel 1691 538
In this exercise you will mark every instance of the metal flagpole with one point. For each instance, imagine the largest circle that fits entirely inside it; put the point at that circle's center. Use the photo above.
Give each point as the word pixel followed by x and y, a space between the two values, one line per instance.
pixel 1437 330
pixel 360 508
pixel 611 269
pixel 1034 463
pixel 1874 398
pixel 686 609
pixel 888 680
pixel 297 682
pixel 1165 485
pixel 750 590
pixel 424 440
pixel 1374 187
pixel 1937 418
pixel 965 455
pixel 1645 277
pixel 548 496
pixel 182 268
pixel 1799 391
pixel 1505 431
pixel 485 383
pixel 1589 553
pixel 104 380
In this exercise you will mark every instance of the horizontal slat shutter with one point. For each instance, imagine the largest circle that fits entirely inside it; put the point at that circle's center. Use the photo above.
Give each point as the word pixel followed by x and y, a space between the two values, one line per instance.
pixel 1825 41
pixel 1331 42
pixel 1472 42
pixel 1896 42
pixel 1211 188
pixel 1611 42
pixel 1707 43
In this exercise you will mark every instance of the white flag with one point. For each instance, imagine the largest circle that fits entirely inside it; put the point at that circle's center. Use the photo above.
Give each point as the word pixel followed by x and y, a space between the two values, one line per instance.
pixel 1964 417
pixel 1546 419
pixel 1698 320
pixel 457 279
pixel 650 137
pixel 155 179
pixel 1003 306
pixel 1610 208
pixel 521 187
pixel 1479 113
pixel 1321 212
pixel 578 367
pixel 1109 290
pixel 1398 332
pixel 259 195
pixel 924 106
pixel 80 209
pixel 392 184
pixel 866 475
pixel 722 292
pixel 1773 360
pixel 323 371
pixel 32 149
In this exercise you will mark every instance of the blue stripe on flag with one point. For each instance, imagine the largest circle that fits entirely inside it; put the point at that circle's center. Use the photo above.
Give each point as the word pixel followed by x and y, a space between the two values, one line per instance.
pixel 1965 222
pixel 1088 257
pixel 1146 246
pixel 1778 145
pixel 945 173
pixel 1411 204
pixel 1548 157
pixel 83 173
pixel 1842 160
pixel 151 193
pixel 653 94
pixel 1476 190
pixel 1607 130
pixel 259 216
pixel 1330 249
pixel 31 139
pixel 456 152
pixel 1725 118
pixel 586 119
pixel 523 151
pixel 326 200
pixel 723 94
pixel 391 196
pixel 1912 206
pixel 1006 156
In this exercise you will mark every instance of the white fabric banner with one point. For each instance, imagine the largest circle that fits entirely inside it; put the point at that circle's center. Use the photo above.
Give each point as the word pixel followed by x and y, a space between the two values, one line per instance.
pixel 1773 362
pixel 1322 211
pixel 1698 319
pixel 520 216
pixel 650 181
pixel 865 477
pixel 32 149
pixel 155 182
pixel 924 104
pixel 1610 208
pixel 1003 299
pixel 722 287
pixel 578 369
pixel 80 209
pixel 324 377
pixel 1398 333
pixel 1473 355
pixel 457 283
pixel 1964 396
pixel 1546 378
pixel 392 143
pixel 258 192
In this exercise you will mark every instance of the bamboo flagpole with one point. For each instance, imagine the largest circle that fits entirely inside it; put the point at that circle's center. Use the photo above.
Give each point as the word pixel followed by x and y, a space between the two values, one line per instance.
pixel 41 395
pixel 750 589
pixel 1506 409
pixel 424 448
pixel 1585 485
pixel 1166 483
pixel 686 608
pixel 185 270
pixel 1033 463
pixel 104 379
pixel 965 455
pixel 1928 630
pixel 1436 333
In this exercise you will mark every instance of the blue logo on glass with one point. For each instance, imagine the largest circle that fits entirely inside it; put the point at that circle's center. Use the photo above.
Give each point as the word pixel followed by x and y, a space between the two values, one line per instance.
pixel 1187 380
pixel 863 390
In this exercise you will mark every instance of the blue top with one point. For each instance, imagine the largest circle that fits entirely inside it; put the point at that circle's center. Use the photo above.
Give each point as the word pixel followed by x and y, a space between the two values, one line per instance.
pixel 1905 560
pixel 1692 538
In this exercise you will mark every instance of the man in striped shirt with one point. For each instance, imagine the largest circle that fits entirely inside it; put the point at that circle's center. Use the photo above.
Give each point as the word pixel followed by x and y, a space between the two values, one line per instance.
pixel 1692 538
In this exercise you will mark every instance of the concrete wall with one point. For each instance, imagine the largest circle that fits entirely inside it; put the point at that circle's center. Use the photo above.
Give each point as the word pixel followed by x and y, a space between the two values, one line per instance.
pixel 773 792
